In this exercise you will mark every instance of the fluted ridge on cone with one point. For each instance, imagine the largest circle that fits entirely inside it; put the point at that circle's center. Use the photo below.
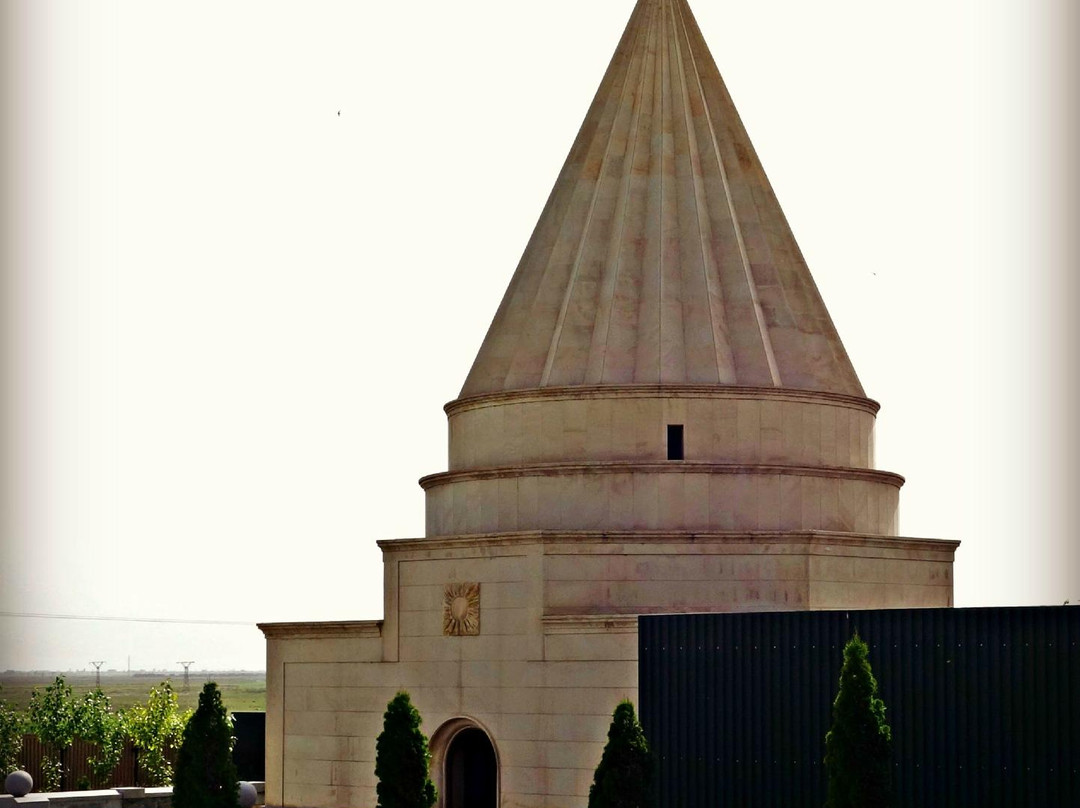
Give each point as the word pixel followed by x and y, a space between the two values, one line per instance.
pixel 662 255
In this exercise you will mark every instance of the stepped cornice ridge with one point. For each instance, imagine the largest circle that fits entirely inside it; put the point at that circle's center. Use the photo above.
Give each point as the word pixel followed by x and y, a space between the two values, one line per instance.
pixel 671 391
pixel 632 467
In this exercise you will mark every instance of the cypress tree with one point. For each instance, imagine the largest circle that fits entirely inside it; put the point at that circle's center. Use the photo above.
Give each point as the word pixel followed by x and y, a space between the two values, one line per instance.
pixel 402 758
pixel 623 779
pixel 205 773
pixel 858 747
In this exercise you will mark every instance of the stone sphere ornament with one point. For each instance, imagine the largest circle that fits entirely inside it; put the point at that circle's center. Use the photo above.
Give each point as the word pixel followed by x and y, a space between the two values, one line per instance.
pixel 247 794
pixel 18 783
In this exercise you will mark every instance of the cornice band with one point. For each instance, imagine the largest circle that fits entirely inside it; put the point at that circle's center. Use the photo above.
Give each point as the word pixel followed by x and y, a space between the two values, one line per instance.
pixel 341 628
pixel 669 467
pixel 481 542
pixel 660 391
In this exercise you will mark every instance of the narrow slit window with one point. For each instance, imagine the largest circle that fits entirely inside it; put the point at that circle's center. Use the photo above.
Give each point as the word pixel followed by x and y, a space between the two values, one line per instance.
pixel 675 442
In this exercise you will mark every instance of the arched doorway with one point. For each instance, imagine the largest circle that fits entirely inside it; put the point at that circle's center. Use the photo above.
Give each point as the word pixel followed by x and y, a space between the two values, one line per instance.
pixel 471 773
pixel 465 766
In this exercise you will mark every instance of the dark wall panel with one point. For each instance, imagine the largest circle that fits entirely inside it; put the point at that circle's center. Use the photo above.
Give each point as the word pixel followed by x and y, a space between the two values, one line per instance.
pixel 984 704
pixel 249 753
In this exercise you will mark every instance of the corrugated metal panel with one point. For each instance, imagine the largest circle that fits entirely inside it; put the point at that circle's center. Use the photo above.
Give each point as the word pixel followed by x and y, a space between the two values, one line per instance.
pixel 76 765
pixel 984 704
pixel 248 754
pixel 249 749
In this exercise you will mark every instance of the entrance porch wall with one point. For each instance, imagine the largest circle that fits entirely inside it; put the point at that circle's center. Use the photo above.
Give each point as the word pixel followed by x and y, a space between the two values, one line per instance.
pixel 556 651
pixel 311 648
pixel 548 720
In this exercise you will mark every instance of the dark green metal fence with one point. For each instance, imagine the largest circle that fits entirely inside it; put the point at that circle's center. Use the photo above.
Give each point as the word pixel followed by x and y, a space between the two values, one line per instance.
pixel 984 704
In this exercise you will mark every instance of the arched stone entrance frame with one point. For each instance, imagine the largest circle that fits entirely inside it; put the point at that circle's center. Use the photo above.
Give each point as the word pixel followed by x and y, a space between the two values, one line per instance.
pixel 442 746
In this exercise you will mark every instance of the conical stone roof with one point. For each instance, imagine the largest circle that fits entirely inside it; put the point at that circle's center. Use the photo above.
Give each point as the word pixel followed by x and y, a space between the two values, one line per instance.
pixel 662 256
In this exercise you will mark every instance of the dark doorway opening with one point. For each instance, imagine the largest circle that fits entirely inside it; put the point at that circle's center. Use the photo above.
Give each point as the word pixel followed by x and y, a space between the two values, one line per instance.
pixel 472 775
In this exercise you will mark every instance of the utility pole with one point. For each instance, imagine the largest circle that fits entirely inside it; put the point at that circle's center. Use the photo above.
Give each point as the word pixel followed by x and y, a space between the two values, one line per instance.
pixel 97 672
pixel 186 665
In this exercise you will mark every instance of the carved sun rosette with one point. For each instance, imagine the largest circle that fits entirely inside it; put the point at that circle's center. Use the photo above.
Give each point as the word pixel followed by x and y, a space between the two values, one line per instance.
pixel 461 610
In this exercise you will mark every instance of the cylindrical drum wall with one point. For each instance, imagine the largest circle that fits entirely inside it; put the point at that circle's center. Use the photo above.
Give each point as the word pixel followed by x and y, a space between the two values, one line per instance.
pixel 656 496
pixel 631 424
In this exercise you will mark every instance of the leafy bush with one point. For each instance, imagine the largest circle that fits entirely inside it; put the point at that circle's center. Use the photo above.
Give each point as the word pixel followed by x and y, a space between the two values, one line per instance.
pixel 858 747
pixel 402 758
pixel 52 717
pixel 96 721
pixel 623 779
pixel 12 727
pixel 52 774
pixel 205 773
pixel 153 728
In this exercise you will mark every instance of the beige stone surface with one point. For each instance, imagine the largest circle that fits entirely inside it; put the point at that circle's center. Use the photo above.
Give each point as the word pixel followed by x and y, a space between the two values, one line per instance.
pixel 662 256
pixel 548 718
pixel 601 424
pixel 564 607
pixel 662 496
pixel 661 287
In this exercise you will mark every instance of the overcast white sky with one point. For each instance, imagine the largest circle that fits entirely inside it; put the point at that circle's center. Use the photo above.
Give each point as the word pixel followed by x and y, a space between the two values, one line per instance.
pixel 232 315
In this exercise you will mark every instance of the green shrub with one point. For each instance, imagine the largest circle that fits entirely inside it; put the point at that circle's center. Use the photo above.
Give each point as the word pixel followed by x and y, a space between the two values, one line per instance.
pixel 12 727
pixel 155 727
pixel 402 758
pixel 52 717
pixel 623 779
pixel 205 772
pixel 96 721
pixel 858 747
pixel 52 773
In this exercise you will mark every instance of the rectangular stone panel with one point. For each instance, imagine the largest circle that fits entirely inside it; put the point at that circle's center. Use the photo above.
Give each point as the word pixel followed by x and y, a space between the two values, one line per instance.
pixel 362 674
pixel 748 430
pixel 590 646
pixel 556 783
pixel 308 772
pixel 508 504
pixel 337 722
pixel 772 432
pixel 501 673
pixel 327 795
pixel 483 647
pixel 671 494
pixel 325 747
pixel 493 595
pixel 767 494
pixel 352 773
pixel 862 595
pixel 646 502
pixel 436 572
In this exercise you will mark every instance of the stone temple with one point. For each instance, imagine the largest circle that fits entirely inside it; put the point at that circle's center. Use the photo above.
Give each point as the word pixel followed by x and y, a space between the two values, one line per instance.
pixel 661 418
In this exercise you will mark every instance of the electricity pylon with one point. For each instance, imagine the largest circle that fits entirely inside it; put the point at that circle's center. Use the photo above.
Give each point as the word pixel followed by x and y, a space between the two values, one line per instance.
pixel 186 665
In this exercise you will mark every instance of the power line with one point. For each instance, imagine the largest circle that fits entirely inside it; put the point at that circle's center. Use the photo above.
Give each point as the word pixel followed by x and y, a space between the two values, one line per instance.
pixel 45 616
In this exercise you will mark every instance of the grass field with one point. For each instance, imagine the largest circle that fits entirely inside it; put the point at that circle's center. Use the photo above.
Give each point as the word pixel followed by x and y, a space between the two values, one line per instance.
pixel 241 691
